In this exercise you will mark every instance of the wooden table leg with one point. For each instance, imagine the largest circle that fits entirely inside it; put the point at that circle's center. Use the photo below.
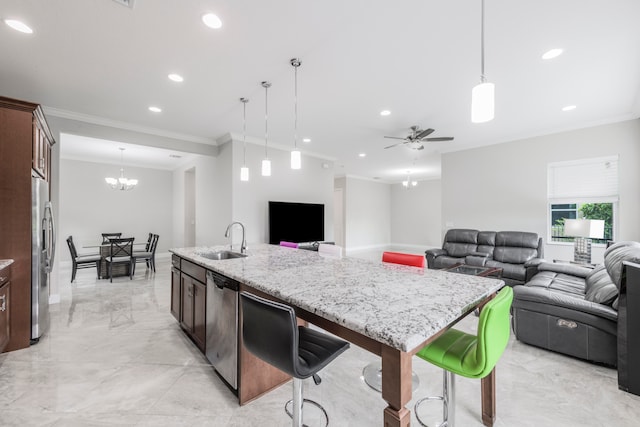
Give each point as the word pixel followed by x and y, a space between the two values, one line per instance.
pixel 488 386
pixel 396 386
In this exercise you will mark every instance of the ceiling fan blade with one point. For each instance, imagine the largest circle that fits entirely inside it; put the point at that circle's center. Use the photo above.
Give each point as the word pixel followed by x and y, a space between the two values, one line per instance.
pixel 394 137
pixel 390 146
pixel 424 133
pixel 442 138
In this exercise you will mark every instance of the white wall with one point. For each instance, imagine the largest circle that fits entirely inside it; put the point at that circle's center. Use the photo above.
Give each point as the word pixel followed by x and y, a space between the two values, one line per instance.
pixel 89 207
pixel 367 214
pixel 222 198
pixel 212 210
pixel 416 214
pixel 504 186
pixel 313 183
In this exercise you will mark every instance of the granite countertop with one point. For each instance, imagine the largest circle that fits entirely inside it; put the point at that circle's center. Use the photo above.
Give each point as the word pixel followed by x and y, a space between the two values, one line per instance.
pixel 5 263
pixel 394 304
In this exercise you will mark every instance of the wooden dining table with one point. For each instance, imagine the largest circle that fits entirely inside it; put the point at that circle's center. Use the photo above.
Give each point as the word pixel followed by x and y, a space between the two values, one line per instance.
pixel 105 251
pixel 390 310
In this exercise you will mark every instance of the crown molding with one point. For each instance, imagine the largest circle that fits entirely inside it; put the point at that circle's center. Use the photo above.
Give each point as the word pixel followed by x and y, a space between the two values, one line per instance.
pixel 101 121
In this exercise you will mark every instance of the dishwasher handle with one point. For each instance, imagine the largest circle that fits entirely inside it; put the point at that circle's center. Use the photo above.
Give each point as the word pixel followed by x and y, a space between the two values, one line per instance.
pixel 222 282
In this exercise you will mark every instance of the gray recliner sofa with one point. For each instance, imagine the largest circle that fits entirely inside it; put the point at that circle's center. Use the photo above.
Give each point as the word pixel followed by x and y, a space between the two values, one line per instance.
pixel 592 314
pixel 518 253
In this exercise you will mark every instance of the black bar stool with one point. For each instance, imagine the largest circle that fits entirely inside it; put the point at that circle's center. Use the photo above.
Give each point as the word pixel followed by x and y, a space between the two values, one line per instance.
pixel 270 332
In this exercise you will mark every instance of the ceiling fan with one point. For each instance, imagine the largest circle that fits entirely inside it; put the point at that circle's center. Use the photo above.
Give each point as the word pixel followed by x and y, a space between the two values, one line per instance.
pixel 417 136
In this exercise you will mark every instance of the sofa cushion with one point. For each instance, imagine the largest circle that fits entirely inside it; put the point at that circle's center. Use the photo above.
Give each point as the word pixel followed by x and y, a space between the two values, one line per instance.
pixel 599 287
pixel 486 242
pixel 616 254
pixel 512 271
pixel 515 247
pixel 460 242
pixel 566 284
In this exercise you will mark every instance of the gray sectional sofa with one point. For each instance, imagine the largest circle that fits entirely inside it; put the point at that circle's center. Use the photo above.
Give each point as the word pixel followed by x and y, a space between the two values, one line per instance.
pixel 517 252
pixel 589 313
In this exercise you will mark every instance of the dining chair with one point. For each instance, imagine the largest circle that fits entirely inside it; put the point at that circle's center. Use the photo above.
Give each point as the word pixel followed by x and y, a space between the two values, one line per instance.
pixel 271 333
pixel 82 261
pixel 467 355
pixel 148 256
pixel 107 236
pixel 372 373
pixel 120 252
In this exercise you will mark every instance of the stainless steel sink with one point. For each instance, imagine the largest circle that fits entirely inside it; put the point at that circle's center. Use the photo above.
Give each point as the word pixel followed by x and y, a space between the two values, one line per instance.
pixel 220 255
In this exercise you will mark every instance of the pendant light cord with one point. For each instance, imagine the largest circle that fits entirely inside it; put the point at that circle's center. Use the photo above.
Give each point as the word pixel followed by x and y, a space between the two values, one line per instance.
pixel 244 130
pixel 295 108
pixel 266 117
pixel 482 77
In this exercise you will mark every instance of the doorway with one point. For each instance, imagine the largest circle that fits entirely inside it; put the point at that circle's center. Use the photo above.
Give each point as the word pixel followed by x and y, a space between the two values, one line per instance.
pixel 190 207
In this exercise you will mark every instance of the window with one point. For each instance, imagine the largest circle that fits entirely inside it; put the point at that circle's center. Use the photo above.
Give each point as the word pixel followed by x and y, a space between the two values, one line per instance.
pixel 582 189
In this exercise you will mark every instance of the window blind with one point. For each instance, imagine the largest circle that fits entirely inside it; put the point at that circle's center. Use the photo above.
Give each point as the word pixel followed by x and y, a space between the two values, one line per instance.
pixel 583 181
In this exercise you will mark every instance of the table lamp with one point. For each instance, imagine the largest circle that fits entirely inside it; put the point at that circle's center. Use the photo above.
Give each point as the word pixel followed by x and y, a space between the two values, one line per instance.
pixel 583 230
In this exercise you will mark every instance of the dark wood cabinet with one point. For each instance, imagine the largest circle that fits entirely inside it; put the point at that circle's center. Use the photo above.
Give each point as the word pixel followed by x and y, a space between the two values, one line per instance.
pixel 5 299
pixel 41 146
pixel 193 302
pixel 22 126
pixel 176 300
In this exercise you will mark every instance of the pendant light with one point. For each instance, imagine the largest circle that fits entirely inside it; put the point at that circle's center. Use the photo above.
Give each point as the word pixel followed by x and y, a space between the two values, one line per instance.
pixel 244 170
pixel 296 160
pixel 483 94
pixel 266 163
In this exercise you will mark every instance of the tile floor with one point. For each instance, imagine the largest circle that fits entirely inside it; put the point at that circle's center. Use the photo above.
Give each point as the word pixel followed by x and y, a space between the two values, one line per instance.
pixel 114 356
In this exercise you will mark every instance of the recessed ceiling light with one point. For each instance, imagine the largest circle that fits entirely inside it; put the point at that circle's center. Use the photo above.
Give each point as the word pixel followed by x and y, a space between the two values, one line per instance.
pixel 211 20
pixel 18 26
pixel 176 77
pixel 569 108
pixel 155 109
pixel 553 53
pixel 385 112
pixel 306 139
pixel 175 156
pixel 362 155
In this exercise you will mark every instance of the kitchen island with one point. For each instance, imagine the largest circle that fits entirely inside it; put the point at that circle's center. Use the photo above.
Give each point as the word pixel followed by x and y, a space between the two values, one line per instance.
pixel 387 309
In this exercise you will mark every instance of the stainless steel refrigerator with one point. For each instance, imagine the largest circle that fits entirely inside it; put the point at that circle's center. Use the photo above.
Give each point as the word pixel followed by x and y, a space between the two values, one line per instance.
pixel 43 243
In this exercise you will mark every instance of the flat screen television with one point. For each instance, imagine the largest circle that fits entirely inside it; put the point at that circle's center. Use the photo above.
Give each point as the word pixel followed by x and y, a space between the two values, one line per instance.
pixel 295 222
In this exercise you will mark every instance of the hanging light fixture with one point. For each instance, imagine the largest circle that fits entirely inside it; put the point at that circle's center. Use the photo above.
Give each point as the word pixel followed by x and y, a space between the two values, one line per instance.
pixel 266 163
pixel 121 183
pixel 296 160
pixel 409 183
pixel 483 94
pixel 244 170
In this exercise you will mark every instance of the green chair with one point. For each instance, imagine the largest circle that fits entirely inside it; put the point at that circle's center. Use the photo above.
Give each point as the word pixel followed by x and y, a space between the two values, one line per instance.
pixel 468 355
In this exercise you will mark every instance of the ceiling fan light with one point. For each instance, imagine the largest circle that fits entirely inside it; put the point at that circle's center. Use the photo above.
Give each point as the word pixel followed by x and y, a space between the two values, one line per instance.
pixel 111 181
pixel 266 167
pixel 483 102
pixel 296 160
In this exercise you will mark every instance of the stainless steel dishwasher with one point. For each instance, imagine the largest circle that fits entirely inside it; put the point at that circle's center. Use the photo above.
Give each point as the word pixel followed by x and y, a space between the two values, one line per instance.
pixel 222 326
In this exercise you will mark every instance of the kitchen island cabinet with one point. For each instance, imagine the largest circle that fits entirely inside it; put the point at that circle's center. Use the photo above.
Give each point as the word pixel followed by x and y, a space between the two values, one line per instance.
pixel 350 298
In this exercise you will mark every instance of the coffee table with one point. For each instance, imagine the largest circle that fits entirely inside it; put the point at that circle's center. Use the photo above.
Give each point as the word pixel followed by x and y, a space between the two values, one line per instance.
pixel 473 270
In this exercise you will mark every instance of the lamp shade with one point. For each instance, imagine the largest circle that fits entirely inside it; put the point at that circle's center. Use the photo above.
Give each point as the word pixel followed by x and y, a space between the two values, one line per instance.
pixel 589 228
pixel 483 102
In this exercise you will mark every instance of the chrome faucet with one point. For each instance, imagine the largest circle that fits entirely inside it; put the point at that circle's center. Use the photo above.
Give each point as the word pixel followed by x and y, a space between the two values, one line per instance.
pixel 243 246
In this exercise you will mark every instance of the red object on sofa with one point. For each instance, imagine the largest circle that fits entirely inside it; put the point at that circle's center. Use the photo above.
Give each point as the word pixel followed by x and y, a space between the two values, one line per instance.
pixel 404 259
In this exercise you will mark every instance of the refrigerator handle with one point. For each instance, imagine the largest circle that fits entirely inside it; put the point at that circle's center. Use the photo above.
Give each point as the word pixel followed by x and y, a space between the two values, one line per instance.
pixel 52 243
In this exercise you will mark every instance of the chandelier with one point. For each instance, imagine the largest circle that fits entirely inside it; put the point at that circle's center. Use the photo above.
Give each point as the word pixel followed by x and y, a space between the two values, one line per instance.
pixel 121 183
pixel 409 183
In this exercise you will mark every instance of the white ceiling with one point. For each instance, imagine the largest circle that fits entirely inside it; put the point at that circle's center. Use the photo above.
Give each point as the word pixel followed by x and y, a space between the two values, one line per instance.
pixel 417 58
